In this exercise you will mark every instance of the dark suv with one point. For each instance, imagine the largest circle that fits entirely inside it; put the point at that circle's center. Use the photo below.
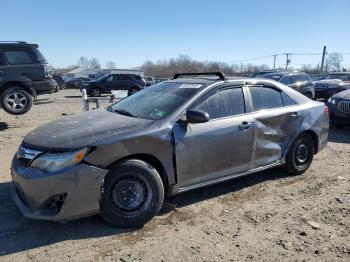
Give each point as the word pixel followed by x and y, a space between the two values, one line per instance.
pixel 299 81
pixel 130 82
pixel 24 74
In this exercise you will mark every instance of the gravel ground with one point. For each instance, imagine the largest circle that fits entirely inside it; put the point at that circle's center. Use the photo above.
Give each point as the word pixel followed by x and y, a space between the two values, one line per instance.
pixel 268 216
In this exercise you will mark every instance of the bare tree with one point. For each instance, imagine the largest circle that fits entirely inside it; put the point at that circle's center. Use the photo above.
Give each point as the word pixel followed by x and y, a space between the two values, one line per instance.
pixel 110 65
pixel 94 64
pixel 83 62
pixel 334 61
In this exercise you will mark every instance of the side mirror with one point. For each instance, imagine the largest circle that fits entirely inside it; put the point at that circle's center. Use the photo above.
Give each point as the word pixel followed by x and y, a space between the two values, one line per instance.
pixel 196 116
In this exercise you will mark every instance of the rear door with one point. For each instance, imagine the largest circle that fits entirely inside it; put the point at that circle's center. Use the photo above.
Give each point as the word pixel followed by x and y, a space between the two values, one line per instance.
pixel 276 120
pixel 125 81
pixel 220 147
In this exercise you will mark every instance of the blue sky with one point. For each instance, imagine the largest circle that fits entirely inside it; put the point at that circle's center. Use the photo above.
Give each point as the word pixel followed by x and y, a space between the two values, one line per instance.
pixel 130 32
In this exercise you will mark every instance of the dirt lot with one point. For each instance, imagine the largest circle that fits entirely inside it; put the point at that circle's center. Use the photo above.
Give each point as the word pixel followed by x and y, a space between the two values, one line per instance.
pixel 268 216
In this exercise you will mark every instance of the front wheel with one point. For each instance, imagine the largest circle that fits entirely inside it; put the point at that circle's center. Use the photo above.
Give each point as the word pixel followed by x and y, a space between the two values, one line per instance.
pixel 16 101
pixel 132 194
pixel 300 155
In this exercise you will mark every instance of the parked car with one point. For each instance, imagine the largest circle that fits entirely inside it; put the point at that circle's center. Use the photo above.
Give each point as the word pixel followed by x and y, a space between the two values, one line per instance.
pixel 172 137
pixel 324 89
pixel 105 84
pixel 339 108
pixel 344 76
pixel 76 82
pixel 24 74
pixel 149 80
pixel 299 81
pixel 60 81
pixel 262 73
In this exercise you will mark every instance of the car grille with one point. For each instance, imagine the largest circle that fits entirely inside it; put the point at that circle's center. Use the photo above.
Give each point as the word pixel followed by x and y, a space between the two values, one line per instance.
pixel 26 155
pixel 321 86
pixel 344 106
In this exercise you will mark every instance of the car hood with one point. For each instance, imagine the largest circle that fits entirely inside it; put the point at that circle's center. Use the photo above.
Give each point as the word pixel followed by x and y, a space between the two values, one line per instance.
pixel 82 130
pixel 345 95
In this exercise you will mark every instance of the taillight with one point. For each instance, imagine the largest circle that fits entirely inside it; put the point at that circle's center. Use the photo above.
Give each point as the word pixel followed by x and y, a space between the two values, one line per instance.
pixel 326 109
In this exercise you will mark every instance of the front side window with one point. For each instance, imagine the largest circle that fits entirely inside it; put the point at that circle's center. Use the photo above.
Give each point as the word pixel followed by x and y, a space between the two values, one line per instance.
pixel 157 101
pixel 265 98
pixel 224 103
pixel 18 56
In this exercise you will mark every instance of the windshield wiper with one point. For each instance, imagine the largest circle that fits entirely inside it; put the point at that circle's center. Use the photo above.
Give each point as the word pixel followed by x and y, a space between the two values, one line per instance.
pixel 123 112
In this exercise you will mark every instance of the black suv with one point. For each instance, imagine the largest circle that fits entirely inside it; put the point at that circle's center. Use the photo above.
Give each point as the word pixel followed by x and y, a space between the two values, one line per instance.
pixel 130 82
pixel 24 74
pixel 299 81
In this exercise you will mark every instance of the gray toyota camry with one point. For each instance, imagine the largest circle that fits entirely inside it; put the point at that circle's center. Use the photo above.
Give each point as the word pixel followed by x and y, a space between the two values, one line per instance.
pixel 192 131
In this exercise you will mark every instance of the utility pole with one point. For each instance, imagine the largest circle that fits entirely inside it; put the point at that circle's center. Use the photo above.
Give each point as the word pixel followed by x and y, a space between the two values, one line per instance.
pixel 323 56
pixel 287 60
pixel 274 62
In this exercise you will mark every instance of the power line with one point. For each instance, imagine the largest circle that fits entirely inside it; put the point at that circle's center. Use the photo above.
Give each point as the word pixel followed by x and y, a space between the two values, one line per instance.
pixel 280 54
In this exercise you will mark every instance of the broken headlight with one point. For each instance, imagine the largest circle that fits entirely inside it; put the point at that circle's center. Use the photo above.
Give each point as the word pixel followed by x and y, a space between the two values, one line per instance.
pixel 55 162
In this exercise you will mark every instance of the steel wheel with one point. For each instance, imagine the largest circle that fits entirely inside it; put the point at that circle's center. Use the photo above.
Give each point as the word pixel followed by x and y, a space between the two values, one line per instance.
pixel 301 154
pixel 131 194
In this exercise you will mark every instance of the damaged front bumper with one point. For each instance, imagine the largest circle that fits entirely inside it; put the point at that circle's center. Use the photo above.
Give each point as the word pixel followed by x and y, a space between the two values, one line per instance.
pixel 67 195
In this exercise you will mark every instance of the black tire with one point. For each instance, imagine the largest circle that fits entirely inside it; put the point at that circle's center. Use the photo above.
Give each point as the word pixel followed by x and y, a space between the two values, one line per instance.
pixel 132 194
pixel 309 95
pixel 339 126
pixel 300 155
pixel 133 90
pixel 16 100
pixel 95 92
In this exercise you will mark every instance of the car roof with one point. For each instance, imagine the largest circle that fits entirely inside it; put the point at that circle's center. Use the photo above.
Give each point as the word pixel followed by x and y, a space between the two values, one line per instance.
pixel 212 82
pixel 16 43
pixel 338 73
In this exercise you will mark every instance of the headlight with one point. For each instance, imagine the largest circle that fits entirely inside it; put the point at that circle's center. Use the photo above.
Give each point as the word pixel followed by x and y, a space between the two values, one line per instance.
pixel 55 162
pixel 332 101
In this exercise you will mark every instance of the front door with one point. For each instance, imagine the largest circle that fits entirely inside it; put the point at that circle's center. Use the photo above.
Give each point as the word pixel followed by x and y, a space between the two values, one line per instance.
pixel 220 147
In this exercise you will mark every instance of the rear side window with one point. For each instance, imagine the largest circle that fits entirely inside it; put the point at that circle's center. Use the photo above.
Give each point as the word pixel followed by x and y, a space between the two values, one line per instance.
pixel 137 77
pixel 124 77
pixel 265 98
pixel 18 56
pixel 224 103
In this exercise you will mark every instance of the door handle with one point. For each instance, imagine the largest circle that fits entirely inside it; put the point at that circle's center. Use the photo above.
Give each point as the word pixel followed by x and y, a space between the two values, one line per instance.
pixel 294 114
pixel 245 125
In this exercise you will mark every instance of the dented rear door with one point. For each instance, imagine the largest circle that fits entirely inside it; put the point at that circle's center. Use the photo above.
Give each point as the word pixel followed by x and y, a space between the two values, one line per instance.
pixel 276 121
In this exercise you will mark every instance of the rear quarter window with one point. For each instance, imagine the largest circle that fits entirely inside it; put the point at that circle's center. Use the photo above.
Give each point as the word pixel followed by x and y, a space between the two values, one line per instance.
pixel 265 98
pixel 18 56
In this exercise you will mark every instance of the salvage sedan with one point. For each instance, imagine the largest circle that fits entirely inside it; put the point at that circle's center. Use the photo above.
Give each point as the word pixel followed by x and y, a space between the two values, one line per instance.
pixel 190 132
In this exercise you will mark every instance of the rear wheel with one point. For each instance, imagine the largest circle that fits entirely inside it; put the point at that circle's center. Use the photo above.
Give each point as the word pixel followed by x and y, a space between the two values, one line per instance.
pixel 133 90
pixel 300 155
pixel 96 91
pixel 132 194
pixel 16 101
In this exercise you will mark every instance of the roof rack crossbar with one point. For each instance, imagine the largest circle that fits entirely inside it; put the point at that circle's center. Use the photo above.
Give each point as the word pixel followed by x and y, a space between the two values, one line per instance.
pixel 219 74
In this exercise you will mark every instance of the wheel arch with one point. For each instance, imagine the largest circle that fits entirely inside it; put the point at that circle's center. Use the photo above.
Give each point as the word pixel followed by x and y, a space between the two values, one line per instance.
pixel 314 138
pixel 149 159
pixel 31 91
